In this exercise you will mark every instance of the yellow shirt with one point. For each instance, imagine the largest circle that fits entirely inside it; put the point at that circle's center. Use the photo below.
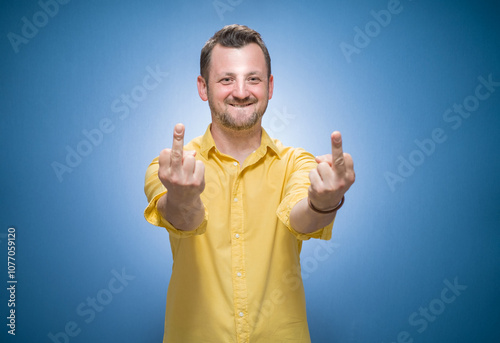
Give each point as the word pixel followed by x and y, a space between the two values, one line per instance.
pixel 236 278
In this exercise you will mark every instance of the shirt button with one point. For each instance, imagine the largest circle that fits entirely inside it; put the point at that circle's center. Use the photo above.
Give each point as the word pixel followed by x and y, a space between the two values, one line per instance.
pixel 235 199
pixel 235 163
pixel 237 235
pixel 239 274
pixel 241 314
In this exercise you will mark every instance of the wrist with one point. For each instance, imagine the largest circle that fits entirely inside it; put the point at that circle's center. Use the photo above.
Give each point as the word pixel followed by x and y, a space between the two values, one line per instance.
pixel 326 211
pixel 182 203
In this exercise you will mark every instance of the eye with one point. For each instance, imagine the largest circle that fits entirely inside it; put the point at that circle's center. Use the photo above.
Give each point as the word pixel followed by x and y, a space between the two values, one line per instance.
pixel 254 79
pixel 226 80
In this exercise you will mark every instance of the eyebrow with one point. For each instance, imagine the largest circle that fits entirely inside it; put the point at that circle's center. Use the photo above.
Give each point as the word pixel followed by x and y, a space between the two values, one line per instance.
pixel 248 74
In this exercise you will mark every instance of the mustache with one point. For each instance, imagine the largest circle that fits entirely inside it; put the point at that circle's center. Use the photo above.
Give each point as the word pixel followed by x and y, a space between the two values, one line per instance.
pixel 236 101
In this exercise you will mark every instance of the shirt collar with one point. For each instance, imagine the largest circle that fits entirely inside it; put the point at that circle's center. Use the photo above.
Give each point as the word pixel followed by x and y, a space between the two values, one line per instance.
pixel 208 143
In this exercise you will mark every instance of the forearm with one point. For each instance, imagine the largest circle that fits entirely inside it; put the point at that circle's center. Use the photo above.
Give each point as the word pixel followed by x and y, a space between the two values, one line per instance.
pixel 184 216
pixel 304 220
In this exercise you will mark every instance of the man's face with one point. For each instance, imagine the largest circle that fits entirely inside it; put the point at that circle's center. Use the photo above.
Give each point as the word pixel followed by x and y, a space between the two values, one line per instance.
pixel 238 90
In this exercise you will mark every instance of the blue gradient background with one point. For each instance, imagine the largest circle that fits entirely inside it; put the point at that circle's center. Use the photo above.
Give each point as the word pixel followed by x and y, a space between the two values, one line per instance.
pixel 393 247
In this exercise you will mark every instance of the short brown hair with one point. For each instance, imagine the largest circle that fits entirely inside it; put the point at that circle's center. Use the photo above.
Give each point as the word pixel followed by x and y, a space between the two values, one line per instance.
pixel 232 36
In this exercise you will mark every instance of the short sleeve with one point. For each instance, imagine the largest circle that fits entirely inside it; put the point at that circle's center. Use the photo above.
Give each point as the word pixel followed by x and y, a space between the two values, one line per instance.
pixel 154 190
pixel 295 190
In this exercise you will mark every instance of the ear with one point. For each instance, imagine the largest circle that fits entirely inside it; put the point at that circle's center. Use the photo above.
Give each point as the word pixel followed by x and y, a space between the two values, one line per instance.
pixel 202 88
pixel 271 86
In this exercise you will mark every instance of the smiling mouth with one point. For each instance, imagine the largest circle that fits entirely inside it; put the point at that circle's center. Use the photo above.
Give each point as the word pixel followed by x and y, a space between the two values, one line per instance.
pixel 240 105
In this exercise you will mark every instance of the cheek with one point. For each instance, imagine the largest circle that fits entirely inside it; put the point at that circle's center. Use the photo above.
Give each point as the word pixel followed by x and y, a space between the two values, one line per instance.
pixel 260 93
pixel 219 93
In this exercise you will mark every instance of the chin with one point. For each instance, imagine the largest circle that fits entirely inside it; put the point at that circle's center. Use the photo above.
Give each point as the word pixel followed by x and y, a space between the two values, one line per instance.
pixel 229 122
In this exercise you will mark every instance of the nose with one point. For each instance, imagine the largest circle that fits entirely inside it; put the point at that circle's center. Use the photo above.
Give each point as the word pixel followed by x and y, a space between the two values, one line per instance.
pixel 240 90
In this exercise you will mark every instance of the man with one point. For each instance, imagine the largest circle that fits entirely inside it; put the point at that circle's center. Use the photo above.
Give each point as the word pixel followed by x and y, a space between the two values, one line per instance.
pixel 238 204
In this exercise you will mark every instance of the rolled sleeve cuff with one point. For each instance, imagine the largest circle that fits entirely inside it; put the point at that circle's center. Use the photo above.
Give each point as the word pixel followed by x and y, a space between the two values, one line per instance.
pixel 154 217
pixel 283 213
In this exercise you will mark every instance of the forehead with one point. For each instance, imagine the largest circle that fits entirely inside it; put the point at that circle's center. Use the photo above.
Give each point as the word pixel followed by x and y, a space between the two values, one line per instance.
pixel 249 58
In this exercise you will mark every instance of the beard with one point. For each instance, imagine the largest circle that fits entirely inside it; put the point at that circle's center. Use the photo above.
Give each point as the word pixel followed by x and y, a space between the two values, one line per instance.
pixel 235 122
pixel 232 123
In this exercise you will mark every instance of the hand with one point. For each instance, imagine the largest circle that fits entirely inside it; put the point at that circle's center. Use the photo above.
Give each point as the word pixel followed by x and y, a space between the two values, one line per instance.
pixel 333 176
pixel 181 174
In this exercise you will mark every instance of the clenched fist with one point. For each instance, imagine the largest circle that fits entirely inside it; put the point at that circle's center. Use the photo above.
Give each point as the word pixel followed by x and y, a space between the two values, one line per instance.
pixel 181 174
pixel 184 178
pixel 333 176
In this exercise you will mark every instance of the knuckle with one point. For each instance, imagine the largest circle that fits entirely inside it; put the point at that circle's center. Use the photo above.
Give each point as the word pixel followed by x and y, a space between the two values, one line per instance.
pixel 176 179
pixel 353 177
pixel 340 161
pixel 176 155
pixel 323 158
pixel 163 157
pixel 164 153
pixel 164 175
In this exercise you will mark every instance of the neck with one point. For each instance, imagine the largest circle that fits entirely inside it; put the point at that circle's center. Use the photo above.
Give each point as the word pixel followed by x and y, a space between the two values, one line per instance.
pixel 237 144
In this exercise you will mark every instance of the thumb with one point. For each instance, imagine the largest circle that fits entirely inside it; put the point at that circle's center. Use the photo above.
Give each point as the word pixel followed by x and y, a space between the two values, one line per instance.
pixel 188 153
pixel 324 158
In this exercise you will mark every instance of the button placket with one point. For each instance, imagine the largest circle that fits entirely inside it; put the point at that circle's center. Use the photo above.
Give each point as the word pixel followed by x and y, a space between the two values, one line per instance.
pixel 240 292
